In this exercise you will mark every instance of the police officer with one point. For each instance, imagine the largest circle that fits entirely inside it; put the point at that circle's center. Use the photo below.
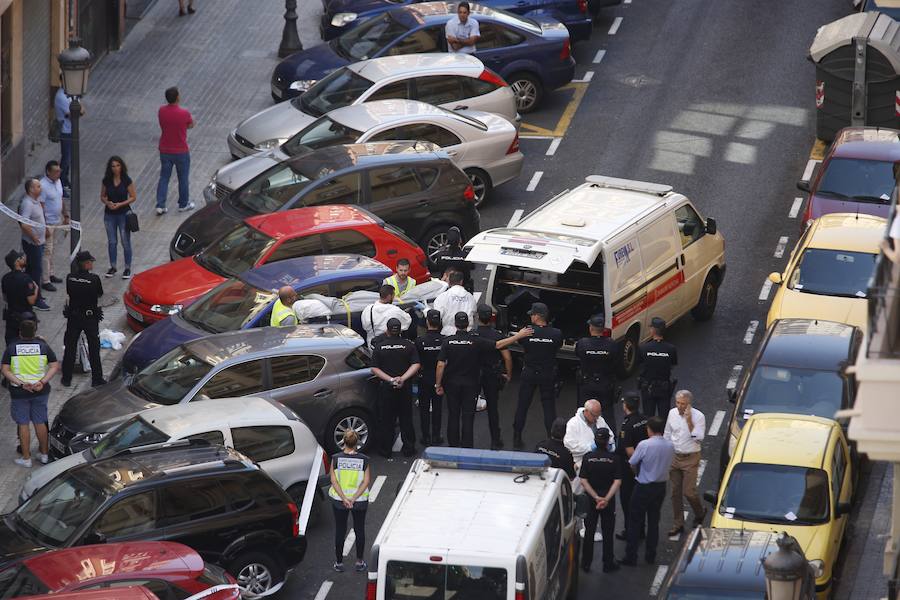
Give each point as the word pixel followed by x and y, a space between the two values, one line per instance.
pixel 20 293
pixel 657 357
pixel 395 361
pixel 83 315
pixel 601 476
pixel 283 310
pixel 633 431
pixel 453 258
pixel 560 457
pixel 496 371
pixel 597 356
pixel 538 371
pixel 428 347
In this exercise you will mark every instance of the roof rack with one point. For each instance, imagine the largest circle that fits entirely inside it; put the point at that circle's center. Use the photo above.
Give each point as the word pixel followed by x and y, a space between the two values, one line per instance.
pixel 486 460
pixel 657 189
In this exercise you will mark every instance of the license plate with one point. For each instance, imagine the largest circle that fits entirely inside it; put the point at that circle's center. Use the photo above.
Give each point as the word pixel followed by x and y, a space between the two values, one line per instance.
pixel 134 314
pixel 57 445
pixel 276 92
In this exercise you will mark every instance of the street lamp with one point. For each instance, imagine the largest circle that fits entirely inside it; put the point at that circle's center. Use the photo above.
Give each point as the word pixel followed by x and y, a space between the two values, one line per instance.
pixel 788 575
pixel 75 63
pixel 290 41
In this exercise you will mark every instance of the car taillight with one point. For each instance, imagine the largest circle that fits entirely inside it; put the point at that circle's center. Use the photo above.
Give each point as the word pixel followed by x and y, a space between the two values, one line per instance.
pixel 582 6
pixel 521 595
pixel 469 194
pixel 372 589
pixel 295 517
pixel 491 77
pixel 514 147
pixel 566 51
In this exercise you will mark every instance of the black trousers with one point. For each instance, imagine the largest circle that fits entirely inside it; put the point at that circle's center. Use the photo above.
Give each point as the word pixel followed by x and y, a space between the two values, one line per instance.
pixel 340 528
pixel 91 328
pixel 12 330
pixel 656 398
pixel 625 492
pixel 430 406
pixel 491 384
pixel 548 401
pixel 606 394
pixel 607 517
pixel 646 503
pixel 461 399
pixel 395 405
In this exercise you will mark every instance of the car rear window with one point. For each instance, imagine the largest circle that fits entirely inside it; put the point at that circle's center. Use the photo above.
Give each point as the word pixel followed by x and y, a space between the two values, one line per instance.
pixel 793 391
pixel 420 581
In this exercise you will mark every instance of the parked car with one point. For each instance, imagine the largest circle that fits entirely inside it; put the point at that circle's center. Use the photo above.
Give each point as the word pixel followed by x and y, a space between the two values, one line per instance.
pixel 263 430
pixel 166 569
pixel 485 146
pixel 532 54
pixel 451 80
pixel 210 498
pixel 888 7
pixel 857 174
pixel 411 185
pixel 827 276
pixel 134 592
pixel 334 229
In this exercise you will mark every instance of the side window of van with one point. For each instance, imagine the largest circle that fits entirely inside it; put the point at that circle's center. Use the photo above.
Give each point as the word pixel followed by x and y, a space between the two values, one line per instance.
pixel 690 226
pixel 553 538
pixel 567 500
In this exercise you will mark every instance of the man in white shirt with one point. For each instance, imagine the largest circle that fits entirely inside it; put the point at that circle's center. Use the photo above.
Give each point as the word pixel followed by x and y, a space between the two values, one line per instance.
pixel 685 428
pixel 455 299
pixel 374 317
pixel 55 213
pixel 581 430
pixel 462 31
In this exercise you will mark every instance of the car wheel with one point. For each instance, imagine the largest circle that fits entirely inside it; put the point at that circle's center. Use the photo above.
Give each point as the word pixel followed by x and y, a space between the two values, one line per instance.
pixel 256 572
pixel 629 352
pixel 355 419
pixel 434 242
pixel 298 491
pixel 481 184
pixel 709 296
pixel 527 90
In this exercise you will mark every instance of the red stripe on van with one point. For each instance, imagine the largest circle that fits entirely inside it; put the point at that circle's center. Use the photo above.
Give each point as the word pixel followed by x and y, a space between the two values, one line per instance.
pixel 652 297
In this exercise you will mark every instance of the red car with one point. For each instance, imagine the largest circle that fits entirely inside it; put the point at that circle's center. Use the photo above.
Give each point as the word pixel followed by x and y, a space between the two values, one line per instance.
pixel 162 291
pixel 166 569
pixel 124 593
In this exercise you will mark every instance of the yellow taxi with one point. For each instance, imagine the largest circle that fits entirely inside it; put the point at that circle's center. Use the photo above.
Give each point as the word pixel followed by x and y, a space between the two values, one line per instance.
pixel 828 273
pixel 790 473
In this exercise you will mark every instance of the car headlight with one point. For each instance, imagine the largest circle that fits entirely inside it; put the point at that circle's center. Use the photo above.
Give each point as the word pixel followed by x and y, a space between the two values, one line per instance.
pixel 269 144
pixel 90 438
pixel 818 567
pixel 341 19
pixel 166 309
pixel 301 85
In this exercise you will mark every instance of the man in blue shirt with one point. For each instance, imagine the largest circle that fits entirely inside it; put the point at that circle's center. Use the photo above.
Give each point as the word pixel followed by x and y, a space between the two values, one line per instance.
pixel 61 104
pixel 651 461
pixel 462 31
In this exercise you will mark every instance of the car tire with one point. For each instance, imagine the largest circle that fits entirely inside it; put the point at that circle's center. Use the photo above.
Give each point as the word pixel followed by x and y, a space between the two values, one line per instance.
pixel 629 352
pixel 576 569
pixel 256 572
pixel 481 183
pixel 298 491
pixel 434 241
pixel 709 296
pixel 355 418
pixel 528 91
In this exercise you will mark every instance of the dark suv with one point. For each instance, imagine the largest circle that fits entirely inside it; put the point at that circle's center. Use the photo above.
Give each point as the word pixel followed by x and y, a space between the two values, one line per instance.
pixel 412 185
pixel 210 498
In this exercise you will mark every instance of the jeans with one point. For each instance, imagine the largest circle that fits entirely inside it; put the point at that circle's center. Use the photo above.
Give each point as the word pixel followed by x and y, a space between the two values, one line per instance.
pixel 182 164
pixel 340 528
pixel 34 254
pixel 65 158
pixel 115 224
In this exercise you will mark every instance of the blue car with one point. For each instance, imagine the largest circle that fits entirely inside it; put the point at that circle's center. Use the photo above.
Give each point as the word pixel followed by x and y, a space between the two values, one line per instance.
pixel 246 301
pixel 532 54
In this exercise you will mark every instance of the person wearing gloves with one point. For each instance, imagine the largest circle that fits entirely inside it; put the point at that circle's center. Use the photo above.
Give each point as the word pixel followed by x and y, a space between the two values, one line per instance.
pixel 581 430
pixel 455 299
pixel 374 317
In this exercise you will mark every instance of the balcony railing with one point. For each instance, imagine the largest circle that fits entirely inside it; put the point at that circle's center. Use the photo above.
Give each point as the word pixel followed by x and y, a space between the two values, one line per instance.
pixel 884 311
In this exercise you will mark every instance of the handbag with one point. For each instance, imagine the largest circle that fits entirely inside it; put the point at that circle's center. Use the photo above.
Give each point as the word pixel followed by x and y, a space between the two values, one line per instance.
pixel 55 131
pixel 131 221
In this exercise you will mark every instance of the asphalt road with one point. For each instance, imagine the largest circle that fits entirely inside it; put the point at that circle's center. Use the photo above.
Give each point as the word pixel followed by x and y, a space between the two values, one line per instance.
pixel 715 98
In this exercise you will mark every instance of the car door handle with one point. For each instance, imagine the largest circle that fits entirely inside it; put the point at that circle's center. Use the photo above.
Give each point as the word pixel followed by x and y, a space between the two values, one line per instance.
pixel 452 152
pixel 323 393
pixel 682 260
pixel 461 107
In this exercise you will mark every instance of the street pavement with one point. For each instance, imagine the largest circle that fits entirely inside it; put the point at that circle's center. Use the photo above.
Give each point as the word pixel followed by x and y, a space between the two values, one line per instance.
pixel 714 98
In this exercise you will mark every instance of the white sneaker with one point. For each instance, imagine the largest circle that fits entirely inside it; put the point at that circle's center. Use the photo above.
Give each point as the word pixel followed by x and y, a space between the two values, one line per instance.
pixel 581 532
pixel 598 537
pixel 43 458
pixel 23 462
pixel 190 206
pixel 161 211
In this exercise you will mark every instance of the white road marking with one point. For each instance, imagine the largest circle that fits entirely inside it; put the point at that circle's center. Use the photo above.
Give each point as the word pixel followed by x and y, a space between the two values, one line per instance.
pixel 586 79
pixel 599 56
pixel 553 146
pixel 766 288
pixel 617 22
pixel 535 179
pixel 779 249
pixel 517 214
pixel 700 469
pixel 733 378
pixel 398 444
pixel 716 423
pixel 795 208
pixel 477 296
pixel 528 136
pixel 351 535
pixel 808 171
pixel 661 570
pixel 323 590
pixel 751 331
pixel 626 1
pixel 348 541
pixel 376 487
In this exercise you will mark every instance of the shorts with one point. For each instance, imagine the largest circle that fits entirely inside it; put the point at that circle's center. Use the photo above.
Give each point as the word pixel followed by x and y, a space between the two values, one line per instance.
pixel 29 410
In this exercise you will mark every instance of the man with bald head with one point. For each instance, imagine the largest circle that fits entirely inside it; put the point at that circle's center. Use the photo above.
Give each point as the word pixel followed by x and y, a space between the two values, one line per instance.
pixel 581 430
pixel 283 311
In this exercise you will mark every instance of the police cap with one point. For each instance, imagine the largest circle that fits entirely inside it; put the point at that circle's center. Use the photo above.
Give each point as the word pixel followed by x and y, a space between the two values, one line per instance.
pixel 461 320
pixel 84 256
pixel 393 325
pixel 658 324
pixel 598 320
pixel 540 309
pixel 12 256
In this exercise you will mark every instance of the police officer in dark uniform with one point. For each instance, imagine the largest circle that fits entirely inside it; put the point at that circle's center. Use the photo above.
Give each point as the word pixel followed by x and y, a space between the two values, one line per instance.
pixel 83 315
pixel 20 293
pixel 428 347
pixel 657 357
pixel 395 362
pixel 601 476
pixel 560 456
pixel 597 356
pixel 538 371
pixel 496 371
pixel 633 431
pixel 458 376
pixel 453 257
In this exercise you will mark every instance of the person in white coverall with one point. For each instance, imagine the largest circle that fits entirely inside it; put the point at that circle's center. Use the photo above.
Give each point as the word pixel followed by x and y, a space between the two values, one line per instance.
pixel 374 317
pixel 455 299
pixel 581 429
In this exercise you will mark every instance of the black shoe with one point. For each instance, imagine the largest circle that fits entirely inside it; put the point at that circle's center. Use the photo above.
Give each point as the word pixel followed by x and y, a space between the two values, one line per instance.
pixel 98 383
pixel 518 444
pixel 66 382
pixel 650 560
pixel 628 562
pixel 55 279
pixel 698 520
pixel 110 272
pixel 191 10
pixel 498 445
pixel 438 441
pixel 676 531
pixel 126 274
pixel 48 287
pixel 610 567
pixel 586 568
pixel 622 535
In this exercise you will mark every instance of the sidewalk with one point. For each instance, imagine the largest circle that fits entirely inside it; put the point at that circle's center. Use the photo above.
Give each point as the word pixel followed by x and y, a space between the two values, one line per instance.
pixel 221 59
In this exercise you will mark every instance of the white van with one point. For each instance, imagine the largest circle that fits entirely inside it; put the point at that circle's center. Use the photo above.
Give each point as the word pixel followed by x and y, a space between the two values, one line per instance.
pixel 478 525
pixel 628 249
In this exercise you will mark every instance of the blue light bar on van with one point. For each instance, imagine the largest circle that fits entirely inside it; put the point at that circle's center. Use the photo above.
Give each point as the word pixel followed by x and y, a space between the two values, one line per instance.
pixel 486 460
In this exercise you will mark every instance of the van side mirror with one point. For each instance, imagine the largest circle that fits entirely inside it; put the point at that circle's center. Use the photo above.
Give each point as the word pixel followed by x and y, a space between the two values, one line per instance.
pixel 775 278
pixel 803 185
pixel 94 537
pixel 711 227
pixel 711 496
pixel 843 508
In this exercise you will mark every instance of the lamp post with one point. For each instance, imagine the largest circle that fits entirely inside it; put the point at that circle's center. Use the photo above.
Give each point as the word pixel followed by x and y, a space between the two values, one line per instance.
pixel 290 41
pixel 788 575
pixel 75 63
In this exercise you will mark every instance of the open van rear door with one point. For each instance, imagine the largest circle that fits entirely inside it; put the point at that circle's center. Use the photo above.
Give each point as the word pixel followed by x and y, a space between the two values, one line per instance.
pixel 524 249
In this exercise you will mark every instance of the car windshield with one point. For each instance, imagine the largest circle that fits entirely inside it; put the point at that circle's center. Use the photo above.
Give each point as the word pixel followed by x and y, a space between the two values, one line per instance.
pixel 59 509
pixel 271 190
pixel 130 434
pixel 322 132
pixel 18 581
pixel 370 38
pixel 169 378
pixel 237 251
pixel 336 90
pixel 801 498
pixel 833 273
pixel 423 581
pixel 227 307
pixel 795 391
pixel 858 180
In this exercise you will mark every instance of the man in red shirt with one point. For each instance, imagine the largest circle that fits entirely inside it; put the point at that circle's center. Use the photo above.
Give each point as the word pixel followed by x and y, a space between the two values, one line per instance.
pixel 174 122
